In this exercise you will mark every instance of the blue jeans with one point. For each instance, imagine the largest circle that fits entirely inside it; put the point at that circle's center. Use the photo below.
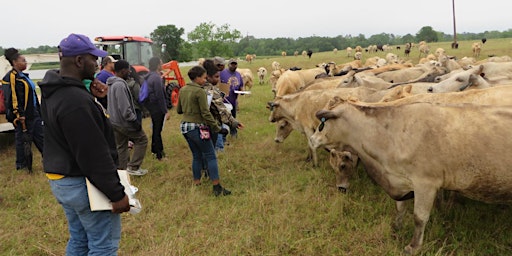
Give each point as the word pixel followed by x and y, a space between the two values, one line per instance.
pixel 202 151
pixel 91 233
pixel 219 144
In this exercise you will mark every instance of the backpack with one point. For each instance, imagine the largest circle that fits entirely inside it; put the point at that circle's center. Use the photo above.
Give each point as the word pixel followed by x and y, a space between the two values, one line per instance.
pixel 144 92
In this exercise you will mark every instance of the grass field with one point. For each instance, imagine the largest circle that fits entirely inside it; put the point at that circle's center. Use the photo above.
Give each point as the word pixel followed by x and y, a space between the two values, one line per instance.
pixel 280 205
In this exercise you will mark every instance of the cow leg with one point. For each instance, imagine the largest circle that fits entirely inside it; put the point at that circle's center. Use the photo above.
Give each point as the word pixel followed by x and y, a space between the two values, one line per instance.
pixel 400 213
pixel 424 198
pixel 312 150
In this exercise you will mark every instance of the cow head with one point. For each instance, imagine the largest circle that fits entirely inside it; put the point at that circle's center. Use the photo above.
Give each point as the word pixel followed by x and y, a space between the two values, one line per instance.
pixel 343 165
pixel 283 129
pixel 461 81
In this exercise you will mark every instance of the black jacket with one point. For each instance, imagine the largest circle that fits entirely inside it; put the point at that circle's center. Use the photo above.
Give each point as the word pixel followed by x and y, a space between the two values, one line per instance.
pixel 79 140
pixel 20 101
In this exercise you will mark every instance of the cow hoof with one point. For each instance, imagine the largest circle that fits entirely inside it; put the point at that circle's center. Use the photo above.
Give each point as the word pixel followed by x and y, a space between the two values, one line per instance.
pixel 342 190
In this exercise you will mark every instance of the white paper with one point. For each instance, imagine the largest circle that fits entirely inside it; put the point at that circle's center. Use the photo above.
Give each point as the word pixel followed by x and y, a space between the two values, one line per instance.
pixel 99 201
pixel 243 92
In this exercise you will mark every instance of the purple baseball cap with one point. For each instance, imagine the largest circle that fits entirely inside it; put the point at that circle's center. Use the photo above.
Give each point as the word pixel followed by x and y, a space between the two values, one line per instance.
pixel 76 44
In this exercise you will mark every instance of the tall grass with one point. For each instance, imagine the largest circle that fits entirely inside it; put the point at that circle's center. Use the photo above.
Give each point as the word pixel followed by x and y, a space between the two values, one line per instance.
pixel 280 205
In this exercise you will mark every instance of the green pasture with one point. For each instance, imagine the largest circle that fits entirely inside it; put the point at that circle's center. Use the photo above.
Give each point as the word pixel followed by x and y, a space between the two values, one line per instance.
pixel 280 205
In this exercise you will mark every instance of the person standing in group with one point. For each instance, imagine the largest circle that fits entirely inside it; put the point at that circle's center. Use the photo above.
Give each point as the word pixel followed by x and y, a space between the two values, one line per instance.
pixel 134 81
pixel 80 144
pixel 234 79
pixel 193 104
pixel 22 105
pixel 156 104
pixel 123 117
pixel 107 70
pixel 217 107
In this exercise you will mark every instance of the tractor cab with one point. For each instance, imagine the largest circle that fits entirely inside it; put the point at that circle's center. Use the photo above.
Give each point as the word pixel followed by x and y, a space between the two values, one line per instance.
pixel 137 50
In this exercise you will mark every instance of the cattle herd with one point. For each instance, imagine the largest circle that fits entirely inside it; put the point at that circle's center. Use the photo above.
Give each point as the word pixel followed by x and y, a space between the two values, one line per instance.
pixel 417 128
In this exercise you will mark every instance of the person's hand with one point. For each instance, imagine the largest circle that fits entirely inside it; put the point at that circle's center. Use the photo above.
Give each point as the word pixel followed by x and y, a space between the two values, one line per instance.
pixel 223 131
pixel 240 126
pixel 99 89
pixel 167 116
pixel 18 120
pixel 121 206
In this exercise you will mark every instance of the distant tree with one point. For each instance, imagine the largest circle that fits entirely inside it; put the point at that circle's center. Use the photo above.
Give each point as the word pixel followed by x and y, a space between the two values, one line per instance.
pixel 169 35
pixel 380 39
pixel 210 40
pixel 427 34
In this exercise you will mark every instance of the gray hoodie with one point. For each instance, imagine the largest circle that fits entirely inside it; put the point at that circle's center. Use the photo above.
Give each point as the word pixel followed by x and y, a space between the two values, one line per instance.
pixel 121 108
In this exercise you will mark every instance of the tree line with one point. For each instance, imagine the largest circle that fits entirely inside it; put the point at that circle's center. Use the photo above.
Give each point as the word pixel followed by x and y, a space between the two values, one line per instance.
pixel 208 40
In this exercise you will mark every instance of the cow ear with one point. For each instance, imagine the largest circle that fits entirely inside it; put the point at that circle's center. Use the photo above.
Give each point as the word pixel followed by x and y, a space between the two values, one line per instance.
pixel 325 114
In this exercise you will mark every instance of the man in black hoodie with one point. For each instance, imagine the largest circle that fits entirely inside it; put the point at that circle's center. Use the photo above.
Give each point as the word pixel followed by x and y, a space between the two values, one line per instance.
pixel 80 144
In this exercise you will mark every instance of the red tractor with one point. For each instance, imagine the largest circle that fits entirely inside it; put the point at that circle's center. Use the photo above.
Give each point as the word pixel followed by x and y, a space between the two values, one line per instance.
pixel 137 51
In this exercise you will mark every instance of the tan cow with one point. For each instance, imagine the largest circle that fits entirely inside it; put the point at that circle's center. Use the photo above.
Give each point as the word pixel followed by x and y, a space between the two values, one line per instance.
pixel 262 73
pixel 274 77
pixel 276 65
pixel 476 48
pixel 413 150
pixel 249 58
pixel 291 81
pixel 296 111
pixel 247 77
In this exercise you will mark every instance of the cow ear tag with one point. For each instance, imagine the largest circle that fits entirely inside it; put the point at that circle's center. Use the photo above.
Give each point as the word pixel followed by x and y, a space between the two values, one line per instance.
pixel 322 124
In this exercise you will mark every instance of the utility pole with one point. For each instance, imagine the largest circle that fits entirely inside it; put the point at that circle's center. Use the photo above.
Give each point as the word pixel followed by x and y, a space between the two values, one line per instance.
pixel 455 45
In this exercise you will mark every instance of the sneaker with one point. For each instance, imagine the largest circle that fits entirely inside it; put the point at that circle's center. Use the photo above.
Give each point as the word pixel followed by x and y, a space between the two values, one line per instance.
pixel 130 144
pixel 218 190
pixel 138 172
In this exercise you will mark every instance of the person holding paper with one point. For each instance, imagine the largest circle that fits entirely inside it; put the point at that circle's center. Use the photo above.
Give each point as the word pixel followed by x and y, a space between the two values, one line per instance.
pixel 234 79
pixel 80 144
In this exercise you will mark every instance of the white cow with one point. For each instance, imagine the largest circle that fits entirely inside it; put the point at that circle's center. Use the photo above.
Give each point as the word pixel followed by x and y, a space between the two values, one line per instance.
pixel 262 73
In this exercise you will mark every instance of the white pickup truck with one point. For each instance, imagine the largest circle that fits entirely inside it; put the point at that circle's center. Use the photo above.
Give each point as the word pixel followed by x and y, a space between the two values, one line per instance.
pixel 4 125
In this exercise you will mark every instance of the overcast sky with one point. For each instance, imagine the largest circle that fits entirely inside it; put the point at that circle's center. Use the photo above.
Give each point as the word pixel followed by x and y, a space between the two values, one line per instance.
pixel 32 23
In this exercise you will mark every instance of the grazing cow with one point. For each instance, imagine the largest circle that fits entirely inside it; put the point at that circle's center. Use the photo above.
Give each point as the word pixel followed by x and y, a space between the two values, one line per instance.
pixel 296 53
pixel 413 150
pixel 249 58
pixel 262 73
pixel 276 65
pixel 407 49
pixel 310 52
pixel 247 77
pixel 349 51
pixel 298 110
pixel 335 50
pixel 304 53
pixel 358 56
pixel 283 53
pixel 476 48
pixel 291 81
pixel 484 40
pixel 274 77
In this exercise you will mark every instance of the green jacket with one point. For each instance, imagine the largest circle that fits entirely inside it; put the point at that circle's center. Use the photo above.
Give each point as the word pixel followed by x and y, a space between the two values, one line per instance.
pixel 193 104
